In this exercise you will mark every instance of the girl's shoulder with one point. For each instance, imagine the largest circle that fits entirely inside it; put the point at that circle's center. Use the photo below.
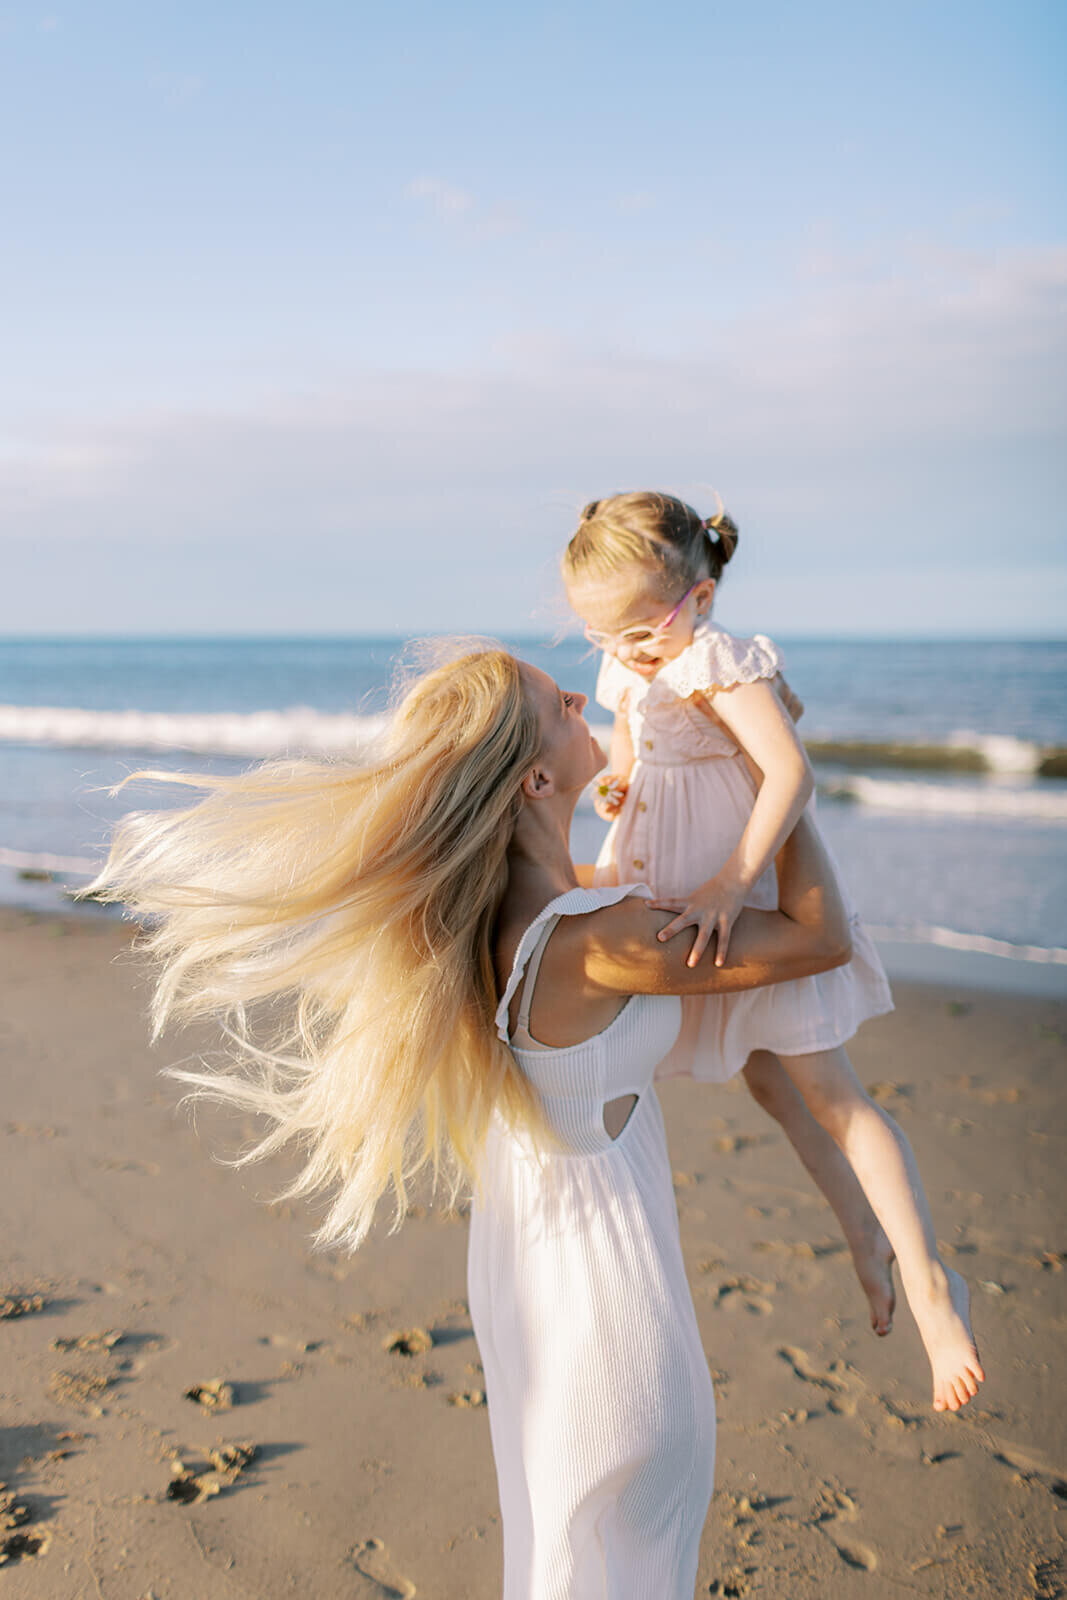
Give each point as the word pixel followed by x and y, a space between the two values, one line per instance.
pixel 718 660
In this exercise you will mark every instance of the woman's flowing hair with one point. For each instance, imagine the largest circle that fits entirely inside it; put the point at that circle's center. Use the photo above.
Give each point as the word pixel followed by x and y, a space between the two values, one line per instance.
pixel 337 920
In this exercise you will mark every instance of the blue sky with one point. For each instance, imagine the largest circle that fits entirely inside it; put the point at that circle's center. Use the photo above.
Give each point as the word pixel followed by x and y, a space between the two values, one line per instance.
pixel 329 318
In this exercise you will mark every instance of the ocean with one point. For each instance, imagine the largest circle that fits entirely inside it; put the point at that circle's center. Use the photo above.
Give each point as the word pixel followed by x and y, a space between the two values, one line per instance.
pixel 941 767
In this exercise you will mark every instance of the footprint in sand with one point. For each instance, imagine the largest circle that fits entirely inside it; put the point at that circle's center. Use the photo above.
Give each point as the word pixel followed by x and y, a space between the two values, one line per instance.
pixel 90 1341
pixel 20 1538
pixel 731 1144
pixel 288 1341
pixel 897 1417
pixel 749 1293
pixel 1046 1260
pixel 806 1370
pixel 13 1304
pixel 801 1248
pixel 891 1095
pixel 859 1556
pixel 408 1342
pixel 1046 1579
pixel 833 1505
pixel 362 1321
pixel 209 1473
pixel 841 1384
pixel 214 1395
pixel 1031 1467
pixel 81 1389
pixel 468 1400
pixel 371 1560
pixel 733 1585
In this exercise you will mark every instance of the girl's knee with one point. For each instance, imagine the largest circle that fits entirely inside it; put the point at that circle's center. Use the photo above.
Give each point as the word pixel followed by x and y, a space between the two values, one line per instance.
pixel 766 1081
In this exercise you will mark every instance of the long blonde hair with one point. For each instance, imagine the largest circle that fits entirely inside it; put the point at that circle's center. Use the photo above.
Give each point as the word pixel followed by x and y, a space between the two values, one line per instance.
pixel 337 920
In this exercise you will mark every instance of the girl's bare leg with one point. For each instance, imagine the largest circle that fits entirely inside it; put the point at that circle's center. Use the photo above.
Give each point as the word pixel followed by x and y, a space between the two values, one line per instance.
pixel 882 1160
pixel 872 1254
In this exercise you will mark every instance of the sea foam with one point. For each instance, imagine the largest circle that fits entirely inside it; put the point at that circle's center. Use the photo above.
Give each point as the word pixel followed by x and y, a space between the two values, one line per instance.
pixel 251 733
pixel 986 801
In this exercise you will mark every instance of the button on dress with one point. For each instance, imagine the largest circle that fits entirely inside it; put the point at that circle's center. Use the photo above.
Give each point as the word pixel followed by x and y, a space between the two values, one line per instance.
pixel 601 1408
pixel 689 799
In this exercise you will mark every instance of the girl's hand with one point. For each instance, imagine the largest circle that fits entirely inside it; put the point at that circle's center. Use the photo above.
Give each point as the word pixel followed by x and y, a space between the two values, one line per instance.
pixel 712 909
pixel 609 793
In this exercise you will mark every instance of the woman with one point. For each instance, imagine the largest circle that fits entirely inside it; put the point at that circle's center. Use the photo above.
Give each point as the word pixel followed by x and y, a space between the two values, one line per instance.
pixel 372 938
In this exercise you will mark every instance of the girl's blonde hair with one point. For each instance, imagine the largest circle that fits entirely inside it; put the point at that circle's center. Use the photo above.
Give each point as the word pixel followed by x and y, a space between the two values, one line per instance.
pixel 344 916
pixel 652 530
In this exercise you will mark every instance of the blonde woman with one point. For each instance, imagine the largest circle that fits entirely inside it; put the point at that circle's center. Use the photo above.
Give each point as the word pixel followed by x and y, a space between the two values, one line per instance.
pixel 411 973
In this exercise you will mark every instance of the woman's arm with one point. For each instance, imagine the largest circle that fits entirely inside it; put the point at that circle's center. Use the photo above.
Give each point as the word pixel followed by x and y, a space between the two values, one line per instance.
pixel 617 950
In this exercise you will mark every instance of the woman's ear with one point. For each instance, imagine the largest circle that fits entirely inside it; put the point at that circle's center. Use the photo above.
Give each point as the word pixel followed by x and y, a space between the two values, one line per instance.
pixel 537 785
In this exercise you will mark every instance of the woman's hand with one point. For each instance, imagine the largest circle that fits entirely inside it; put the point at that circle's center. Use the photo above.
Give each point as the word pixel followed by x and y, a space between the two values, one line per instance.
pixel 609 795
pixel 712 909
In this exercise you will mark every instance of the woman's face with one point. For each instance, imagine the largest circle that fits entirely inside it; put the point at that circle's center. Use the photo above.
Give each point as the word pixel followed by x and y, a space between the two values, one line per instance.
pixel 569 754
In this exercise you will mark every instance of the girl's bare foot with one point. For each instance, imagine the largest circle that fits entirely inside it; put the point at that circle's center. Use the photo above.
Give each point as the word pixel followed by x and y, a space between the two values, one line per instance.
pixel 944 1319
pixel 872 1257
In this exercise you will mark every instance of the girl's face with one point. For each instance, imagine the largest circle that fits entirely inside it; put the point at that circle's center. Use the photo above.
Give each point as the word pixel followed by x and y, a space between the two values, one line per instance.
pixel 634 618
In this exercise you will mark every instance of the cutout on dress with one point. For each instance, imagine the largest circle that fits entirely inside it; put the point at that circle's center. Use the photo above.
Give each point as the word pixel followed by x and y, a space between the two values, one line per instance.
pixel 624 1106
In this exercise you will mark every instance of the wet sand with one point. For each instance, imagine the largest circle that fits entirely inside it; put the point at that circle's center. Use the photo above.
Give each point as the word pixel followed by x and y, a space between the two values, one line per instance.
pixel 194 1405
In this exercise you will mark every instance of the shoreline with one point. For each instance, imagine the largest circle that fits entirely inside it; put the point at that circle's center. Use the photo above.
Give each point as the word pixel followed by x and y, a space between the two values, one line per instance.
pixel 930 956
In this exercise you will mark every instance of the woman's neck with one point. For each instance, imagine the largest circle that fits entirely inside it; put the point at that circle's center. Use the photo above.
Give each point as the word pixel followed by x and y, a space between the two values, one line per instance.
pixel 539 859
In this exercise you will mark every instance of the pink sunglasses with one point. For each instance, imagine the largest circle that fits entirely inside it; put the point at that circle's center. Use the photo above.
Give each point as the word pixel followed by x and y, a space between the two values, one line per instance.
pixel 639 636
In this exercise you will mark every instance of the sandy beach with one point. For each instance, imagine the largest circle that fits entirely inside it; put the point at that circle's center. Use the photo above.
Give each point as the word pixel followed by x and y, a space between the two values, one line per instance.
pixel 197 1406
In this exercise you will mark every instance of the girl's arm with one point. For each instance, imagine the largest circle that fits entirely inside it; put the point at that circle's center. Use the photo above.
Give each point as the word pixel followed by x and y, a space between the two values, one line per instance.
pixel 621 750
pixel 616 950
pixel 759 722
pixel 610 788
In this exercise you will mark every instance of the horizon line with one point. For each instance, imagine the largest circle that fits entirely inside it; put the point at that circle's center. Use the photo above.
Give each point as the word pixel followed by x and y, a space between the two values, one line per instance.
pixel 278 637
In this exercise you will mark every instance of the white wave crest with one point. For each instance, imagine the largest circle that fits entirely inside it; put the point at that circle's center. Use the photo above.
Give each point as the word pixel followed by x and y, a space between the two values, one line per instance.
pixel 978 801
pixel 974 943
pixel 252 733
pixel 1001 752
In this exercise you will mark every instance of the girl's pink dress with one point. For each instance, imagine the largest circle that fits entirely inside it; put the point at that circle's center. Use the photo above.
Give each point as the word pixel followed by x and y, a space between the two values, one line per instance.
pixel 690 797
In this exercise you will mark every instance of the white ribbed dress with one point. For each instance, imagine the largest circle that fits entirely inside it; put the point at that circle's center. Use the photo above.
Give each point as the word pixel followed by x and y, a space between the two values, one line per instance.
pixel 689 800
pixel 600 1401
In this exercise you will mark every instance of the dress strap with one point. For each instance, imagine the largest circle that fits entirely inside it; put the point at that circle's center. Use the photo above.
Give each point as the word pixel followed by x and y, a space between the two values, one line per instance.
pixel 533 967
pixel 576 902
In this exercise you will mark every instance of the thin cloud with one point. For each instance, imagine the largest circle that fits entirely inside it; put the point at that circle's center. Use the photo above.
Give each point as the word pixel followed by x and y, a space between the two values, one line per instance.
pixel 633 204
pixel 895 421
pixel 443 199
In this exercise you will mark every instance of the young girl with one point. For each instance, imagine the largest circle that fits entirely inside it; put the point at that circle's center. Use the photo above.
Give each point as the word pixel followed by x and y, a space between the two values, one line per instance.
pixel 707 780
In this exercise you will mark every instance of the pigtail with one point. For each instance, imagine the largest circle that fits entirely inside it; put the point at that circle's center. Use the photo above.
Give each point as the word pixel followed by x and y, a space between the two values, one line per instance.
pixel 722 534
